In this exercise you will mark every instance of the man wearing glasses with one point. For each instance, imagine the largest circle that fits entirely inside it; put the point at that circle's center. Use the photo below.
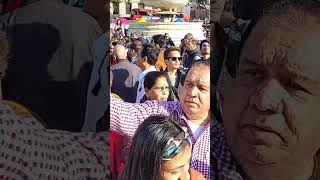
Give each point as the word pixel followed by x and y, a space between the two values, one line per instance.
pixel 172 58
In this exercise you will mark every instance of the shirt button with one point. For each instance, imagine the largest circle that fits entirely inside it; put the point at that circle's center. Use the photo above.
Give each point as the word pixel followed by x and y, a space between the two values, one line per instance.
pixel 208 155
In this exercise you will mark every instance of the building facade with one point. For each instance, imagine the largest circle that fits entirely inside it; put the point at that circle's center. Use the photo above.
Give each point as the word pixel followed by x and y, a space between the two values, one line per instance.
pixel 123 8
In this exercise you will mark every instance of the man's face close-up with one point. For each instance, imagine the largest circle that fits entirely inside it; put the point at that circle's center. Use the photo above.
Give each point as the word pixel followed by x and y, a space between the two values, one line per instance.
pixel 195 93
pixel 271 110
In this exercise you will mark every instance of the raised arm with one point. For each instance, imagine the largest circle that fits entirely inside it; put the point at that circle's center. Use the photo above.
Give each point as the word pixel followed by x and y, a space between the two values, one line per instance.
pixel 126 117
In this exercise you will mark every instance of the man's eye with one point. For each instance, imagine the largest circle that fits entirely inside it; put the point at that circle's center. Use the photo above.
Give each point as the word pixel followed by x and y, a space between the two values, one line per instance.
pixel 295 86
pixel 255 73
pixel 203 89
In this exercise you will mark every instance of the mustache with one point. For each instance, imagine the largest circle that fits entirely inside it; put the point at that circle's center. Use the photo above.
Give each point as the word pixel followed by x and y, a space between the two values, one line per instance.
pixel 286 115
pixel 281 124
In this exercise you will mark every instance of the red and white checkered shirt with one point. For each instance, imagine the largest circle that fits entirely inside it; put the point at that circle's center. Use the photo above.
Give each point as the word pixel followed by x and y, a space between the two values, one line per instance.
pixel 126 117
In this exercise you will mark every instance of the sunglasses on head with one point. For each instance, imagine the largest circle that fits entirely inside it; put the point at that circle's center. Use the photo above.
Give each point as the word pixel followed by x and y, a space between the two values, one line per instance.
pixel 175 58
pixel 175 145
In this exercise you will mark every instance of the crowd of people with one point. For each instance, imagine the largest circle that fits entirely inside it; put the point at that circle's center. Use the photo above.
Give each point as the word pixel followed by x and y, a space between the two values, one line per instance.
pixel 80 102
pixel 152 76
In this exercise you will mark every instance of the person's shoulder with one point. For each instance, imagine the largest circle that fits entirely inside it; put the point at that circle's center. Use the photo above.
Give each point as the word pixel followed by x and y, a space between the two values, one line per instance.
pixel 102 41
pixel 132 67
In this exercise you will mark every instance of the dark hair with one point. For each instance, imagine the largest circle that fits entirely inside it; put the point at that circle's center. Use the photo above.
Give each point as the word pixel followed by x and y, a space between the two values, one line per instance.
pixel 204 41
pixel 160 40
pixel 115 43
pixel 137 45
pixel 151 52
pixel 272 13
pixel 148 144
pixel 151 78
pixel 167 51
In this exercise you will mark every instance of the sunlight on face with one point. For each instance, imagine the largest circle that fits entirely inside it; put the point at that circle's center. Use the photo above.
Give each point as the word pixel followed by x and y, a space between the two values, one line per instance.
pixel 178 167
pixel 159 91
pixel 273 104
pixel 195 93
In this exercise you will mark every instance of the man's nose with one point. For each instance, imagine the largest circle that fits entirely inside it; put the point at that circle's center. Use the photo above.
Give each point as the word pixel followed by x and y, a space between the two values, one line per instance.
pixel 269 97
pixel 165 92
pixel 193 91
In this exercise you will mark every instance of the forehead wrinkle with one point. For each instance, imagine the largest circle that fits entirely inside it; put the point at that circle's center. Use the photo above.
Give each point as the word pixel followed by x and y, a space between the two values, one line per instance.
pixel 276 45
pixel 281 52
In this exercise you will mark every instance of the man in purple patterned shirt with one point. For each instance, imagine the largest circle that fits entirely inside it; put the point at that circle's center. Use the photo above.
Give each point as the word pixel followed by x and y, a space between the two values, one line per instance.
pixel 192 111
pixel 270 108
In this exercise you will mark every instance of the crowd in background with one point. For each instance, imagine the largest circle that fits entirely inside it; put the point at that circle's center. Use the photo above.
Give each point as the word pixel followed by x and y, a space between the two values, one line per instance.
pixel 145 69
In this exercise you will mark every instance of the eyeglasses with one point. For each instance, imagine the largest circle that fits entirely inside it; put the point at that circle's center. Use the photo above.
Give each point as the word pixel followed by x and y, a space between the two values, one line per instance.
pixel 174 145
pixel 175 58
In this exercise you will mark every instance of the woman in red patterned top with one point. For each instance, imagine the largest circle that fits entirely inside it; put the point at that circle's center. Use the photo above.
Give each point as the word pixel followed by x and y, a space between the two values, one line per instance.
pixel 30 151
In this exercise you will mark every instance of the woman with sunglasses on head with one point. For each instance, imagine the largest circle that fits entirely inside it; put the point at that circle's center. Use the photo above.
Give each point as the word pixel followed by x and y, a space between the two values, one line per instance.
pixel 156 87
pixel 160 150
pixel 172 58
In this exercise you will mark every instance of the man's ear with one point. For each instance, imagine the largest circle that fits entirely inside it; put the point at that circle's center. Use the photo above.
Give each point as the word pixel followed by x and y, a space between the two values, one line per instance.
pixel 145 59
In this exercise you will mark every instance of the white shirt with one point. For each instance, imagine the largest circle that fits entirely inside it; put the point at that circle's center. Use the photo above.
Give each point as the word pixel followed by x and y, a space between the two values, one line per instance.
pixel 196 129
pixel 140 90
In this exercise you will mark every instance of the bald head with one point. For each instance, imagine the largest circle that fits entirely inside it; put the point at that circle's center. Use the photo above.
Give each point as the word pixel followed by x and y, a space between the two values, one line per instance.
pixel 120 52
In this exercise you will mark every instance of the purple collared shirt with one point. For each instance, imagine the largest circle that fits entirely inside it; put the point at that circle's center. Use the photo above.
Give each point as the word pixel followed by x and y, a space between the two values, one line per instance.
pixel 126 117
pixel 224 165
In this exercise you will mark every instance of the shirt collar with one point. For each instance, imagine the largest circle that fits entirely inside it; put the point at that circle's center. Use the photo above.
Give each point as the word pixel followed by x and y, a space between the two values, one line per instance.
pixel 183 120
pixel 151 68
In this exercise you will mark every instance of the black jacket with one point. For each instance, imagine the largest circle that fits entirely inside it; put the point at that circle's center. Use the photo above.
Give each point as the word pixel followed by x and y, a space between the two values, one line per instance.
pixel 173 86
pixel 190 58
